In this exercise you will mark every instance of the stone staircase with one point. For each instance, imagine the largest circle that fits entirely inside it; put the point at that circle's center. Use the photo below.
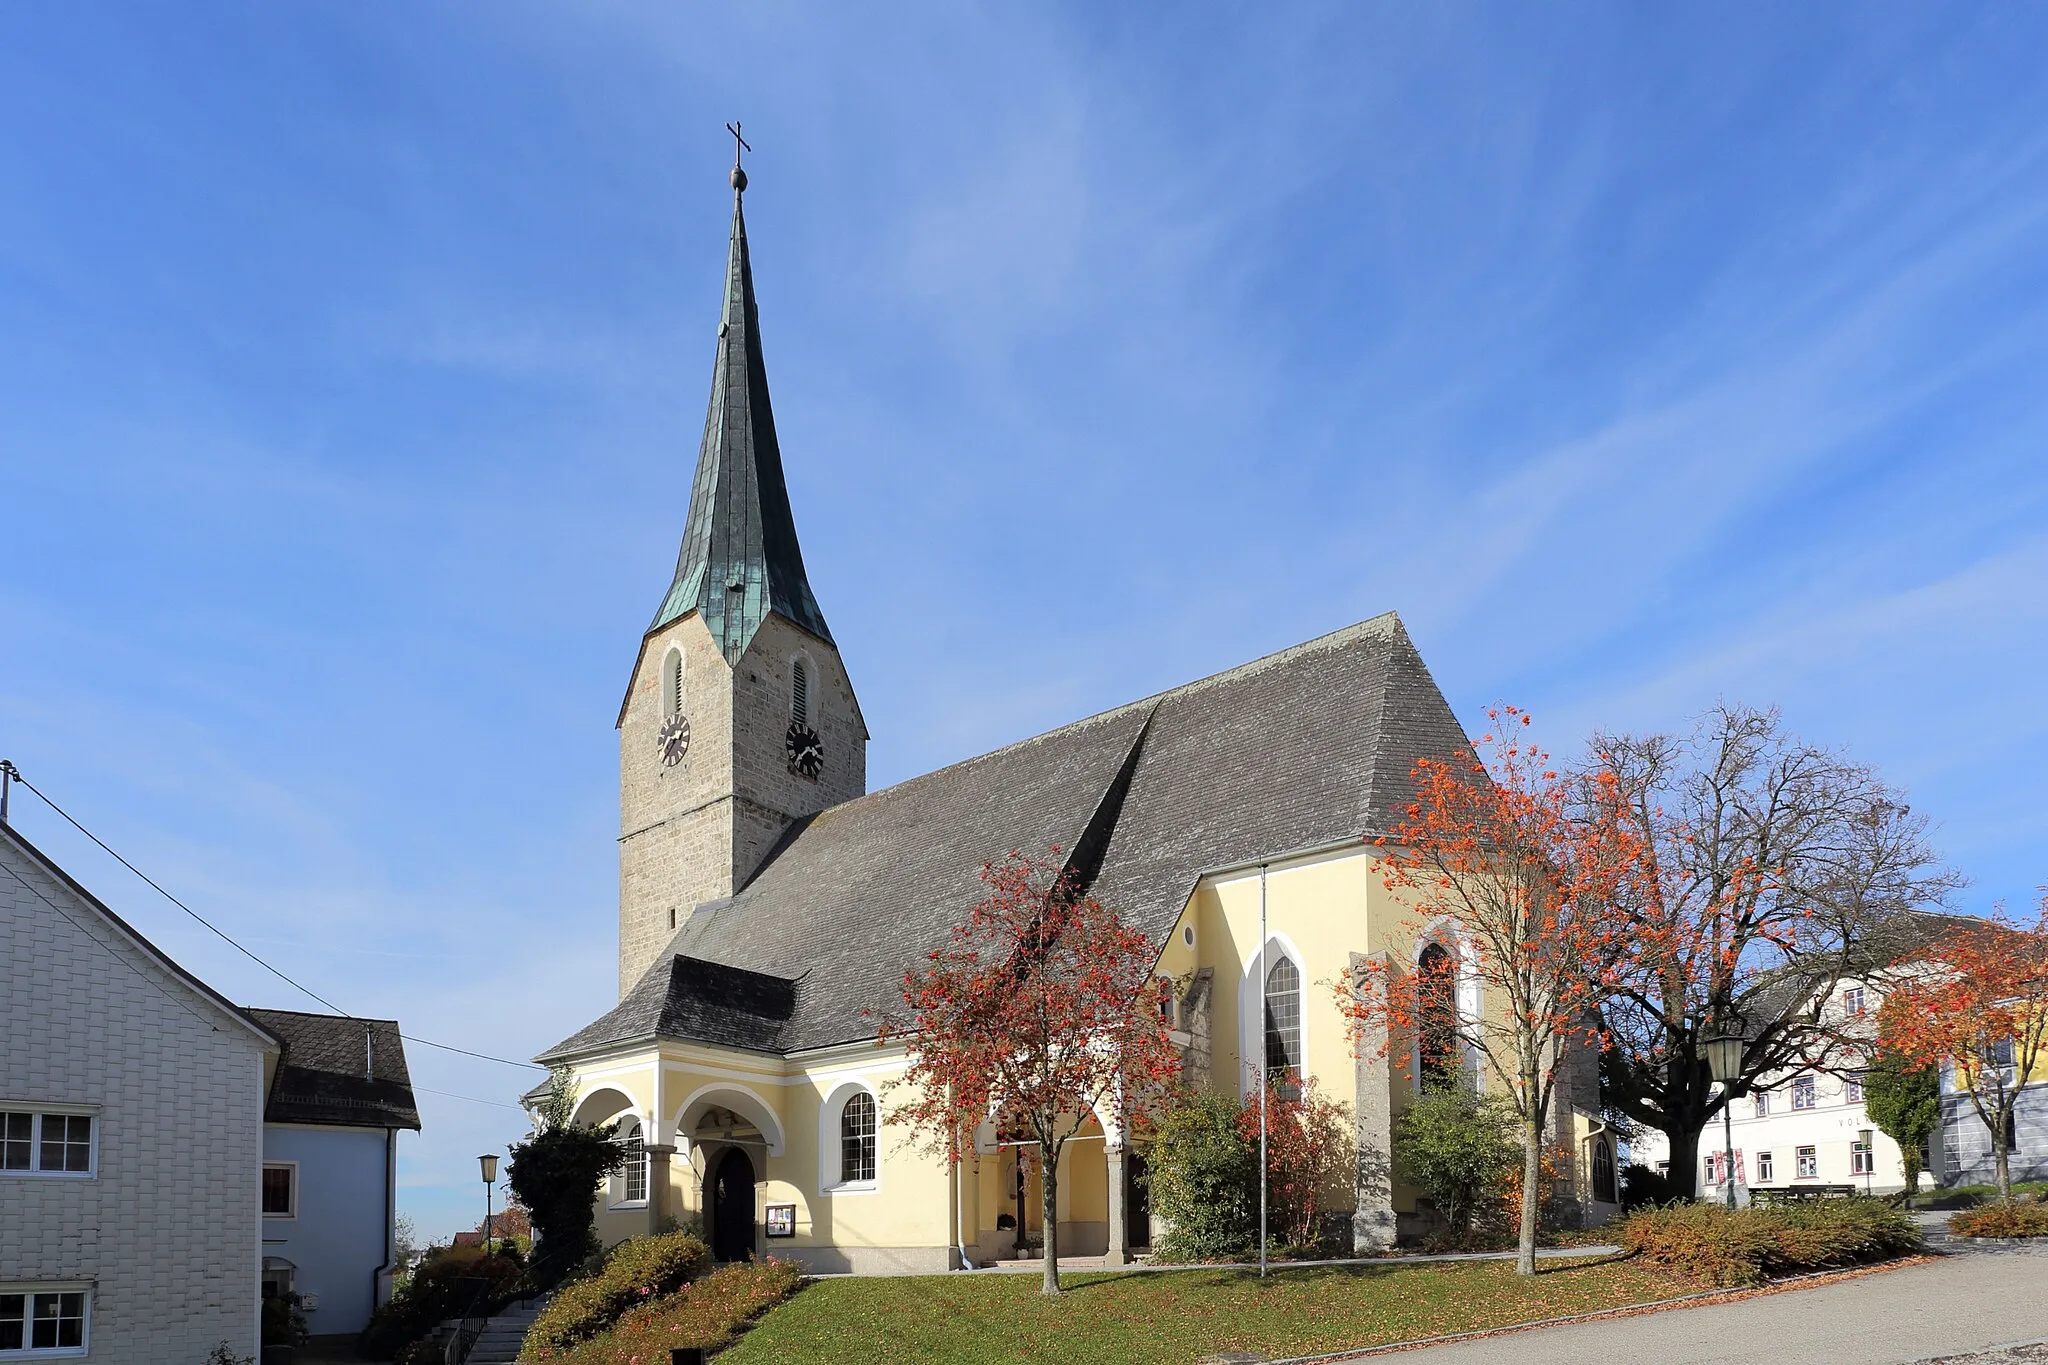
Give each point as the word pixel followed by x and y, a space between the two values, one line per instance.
pixel 502 1335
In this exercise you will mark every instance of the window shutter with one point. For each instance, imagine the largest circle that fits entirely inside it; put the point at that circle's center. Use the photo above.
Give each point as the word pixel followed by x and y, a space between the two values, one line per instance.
pixel 799 693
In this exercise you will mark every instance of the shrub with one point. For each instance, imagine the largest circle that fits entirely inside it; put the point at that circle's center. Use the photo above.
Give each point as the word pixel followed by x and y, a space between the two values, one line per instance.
pixel 1725 1246
pixel 1309 1148
pixel 709 1314
pixel 441 1288
pixel 1642 1187
pixel 2001 1220
pixel 1205 1180
pixel 554 1176
pixel 1460 1150
pixel 636 1271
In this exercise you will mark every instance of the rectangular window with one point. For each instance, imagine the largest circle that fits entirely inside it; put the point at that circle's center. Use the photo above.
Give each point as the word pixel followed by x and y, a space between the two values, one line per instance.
pixel 1999 1054
pixel 1852 1002
pixel 280 1190
pixel 1860 1156
pixel 36 1322
pixel 1764 1171
pixel 1809 1164
pixel 1763 1103
pixel 34 1143
pixel 1802 1093
pixel 1852 1087
pixel 636 1169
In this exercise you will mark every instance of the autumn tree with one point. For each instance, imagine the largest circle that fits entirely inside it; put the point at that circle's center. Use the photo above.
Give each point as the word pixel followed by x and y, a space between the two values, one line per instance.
pixel 1310 1145
pixel 1522 865
pixel 1040 1012
pixel 1977 1001
pixel 1773 869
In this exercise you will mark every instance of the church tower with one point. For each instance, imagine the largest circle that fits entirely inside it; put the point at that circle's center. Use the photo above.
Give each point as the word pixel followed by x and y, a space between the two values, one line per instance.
pixel 739 719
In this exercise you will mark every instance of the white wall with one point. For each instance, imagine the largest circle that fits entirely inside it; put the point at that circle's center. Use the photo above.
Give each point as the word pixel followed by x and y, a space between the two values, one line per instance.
pixel 168 1229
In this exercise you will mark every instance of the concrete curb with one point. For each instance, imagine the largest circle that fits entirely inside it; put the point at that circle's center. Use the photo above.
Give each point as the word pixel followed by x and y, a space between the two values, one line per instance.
pixel 1273 1267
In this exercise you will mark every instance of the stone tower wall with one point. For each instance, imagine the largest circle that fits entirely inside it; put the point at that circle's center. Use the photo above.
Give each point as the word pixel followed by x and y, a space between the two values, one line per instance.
pixel 695 832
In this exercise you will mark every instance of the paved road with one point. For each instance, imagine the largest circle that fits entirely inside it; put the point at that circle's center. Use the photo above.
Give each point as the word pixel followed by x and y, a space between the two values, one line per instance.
pixel 1959 1304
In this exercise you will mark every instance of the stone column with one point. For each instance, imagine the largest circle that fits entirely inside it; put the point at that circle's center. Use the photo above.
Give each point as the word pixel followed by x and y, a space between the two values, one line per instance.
pixel 1119 1252
pixel 1195 1017
pixel 1373 1224
pixel 659 1197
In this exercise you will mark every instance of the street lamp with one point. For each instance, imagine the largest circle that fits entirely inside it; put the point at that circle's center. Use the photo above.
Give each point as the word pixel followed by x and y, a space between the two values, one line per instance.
pixel 1724 1061
pixel 489 1162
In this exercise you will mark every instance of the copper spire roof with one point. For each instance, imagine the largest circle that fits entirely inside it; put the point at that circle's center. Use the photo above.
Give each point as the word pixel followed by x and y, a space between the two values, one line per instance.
pixel 740 559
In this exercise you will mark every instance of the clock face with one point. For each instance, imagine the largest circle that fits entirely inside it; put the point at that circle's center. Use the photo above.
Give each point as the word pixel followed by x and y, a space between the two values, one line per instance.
pixel 674 740
pixel 806 750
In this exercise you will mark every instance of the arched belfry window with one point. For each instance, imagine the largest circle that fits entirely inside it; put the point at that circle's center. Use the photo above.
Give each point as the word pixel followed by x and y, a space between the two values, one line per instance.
pixel 672 681
pixel 1283 1025
pixel 799 691
pixel 857 1138
pixel 1437 991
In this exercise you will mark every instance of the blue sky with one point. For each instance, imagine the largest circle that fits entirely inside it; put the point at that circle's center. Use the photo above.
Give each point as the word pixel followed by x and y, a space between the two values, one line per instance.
pixel 353 359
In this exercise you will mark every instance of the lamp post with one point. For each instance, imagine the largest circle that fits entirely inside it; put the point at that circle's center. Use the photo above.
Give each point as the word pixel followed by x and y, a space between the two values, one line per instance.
pixel 1724 1061
pixel 489 1162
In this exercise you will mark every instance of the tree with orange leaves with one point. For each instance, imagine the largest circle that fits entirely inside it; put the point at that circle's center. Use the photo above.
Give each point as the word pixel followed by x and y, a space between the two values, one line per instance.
pixel 1523 867
pixel 1976 1002
pixel 1774 869
pixel 1039 1013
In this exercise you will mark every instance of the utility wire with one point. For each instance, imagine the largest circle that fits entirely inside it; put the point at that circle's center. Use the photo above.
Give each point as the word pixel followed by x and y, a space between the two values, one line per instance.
pixel 15 774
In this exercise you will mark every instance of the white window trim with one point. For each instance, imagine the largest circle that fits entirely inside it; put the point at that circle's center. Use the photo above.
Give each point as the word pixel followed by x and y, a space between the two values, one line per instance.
pixel 34 1287
pixel 38 1108
pixel 293 1167
pixel 828 1140
pixel 1251 1010
pixel 615 1184
pixel 1465 998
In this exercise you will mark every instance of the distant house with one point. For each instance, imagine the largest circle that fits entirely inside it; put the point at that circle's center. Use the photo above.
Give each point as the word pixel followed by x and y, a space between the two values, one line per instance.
pixel 339 1100
pixel 131 1134
pixel 1965 1141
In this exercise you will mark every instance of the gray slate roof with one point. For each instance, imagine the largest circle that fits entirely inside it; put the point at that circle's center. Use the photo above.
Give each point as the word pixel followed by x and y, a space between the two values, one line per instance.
pixel 1307 748
pixel 339 1070
pixel 739 558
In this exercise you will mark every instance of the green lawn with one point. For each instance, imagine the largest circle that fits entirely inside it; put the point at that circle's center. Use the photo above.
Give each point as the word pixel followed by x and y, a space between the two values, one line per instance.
pixel 1174 1317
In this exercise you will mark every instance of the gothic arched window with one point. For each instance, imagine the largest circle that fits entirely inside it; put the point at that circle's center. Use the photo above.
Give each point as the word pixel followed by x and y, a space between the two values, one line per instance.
pixel 1437 986
pixel 1283 1025
pixel 1603 1172
pixel 857 1138
pixel 672 681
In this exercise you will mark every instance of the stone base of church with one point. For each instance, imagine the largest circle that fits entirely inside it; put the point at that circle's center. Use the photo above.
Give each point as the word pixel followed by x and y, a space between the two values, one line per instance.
pixel 871 1260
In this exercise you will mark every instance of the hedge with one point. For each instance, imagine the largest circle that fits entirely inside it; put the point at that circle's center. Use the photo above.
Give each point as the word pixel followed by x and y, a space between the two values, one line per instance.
pixel 2001 1220
pixel 635 1271
pixel 1728 1247
pixel 710 1314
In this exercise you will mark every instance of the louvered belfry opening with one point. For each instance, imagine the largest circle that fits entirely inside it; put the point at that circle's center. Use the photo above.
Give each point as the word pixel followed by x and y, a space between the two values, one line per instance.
pixel 799 693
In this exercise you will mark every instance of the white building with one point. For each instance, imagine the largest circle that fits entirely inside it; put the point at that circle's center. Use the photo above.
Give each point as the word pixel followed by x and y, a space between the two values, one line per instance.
pixel 131 1135
pixel 1803 1129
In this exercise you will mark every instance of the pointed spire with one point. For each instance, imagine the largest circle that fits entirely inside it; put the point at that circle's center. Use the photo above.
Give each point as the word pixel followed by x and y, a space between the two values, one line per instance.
pixel 740 559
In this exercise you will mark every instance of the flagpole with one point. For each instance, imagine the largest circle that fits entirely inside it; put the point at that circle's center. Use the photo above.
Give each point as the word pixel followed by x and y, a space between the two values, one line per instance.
pixel 1264 1080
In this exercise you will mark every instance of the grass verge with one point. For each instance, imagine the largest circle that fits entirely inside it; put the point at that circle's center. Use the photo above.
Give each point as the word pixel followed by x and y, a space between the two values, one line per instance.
pixel 1179 1316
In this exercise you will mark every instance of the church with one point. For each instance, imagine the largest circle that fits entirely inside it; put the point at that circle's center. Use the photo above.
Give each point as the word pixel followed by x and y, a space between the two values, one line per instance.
pixel 770 904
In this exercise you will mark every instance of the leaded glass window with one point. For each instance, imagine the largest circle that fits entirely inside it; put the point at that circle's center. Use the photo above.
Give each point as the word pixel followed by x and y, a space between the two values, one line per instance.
pixel 1283 1025
pixel 857 1138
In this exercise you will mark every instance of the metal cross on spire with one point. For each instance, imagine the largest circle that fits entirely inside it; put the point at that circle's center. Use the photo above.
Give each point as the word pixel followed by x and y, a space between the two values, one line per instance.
pixel 739 144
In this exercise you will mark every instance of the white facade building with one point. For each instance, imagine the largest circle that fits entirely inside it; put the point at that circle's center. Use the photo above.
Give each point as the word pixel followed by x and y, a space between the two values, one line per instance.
pixel 131 1132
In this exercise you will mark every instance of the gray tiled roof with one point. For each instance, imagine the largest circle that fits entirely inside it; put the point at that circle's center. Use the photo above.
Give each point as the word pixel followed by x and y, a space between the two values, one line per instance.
pixel 739 558
pixel 339 1070
pixel 1306 748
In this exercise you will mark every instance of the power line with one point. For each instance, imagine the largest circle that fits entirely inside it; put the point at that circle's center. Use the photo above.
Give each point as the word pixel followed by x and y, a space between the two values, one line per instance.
pixel 15 774
pixel 450 1094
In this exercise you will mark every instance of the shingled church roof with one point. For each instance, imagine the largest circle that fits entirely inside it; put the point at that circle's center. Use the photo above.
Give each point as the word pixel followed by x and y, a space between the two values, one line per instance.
pixel 1308 748
pixel 739 558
